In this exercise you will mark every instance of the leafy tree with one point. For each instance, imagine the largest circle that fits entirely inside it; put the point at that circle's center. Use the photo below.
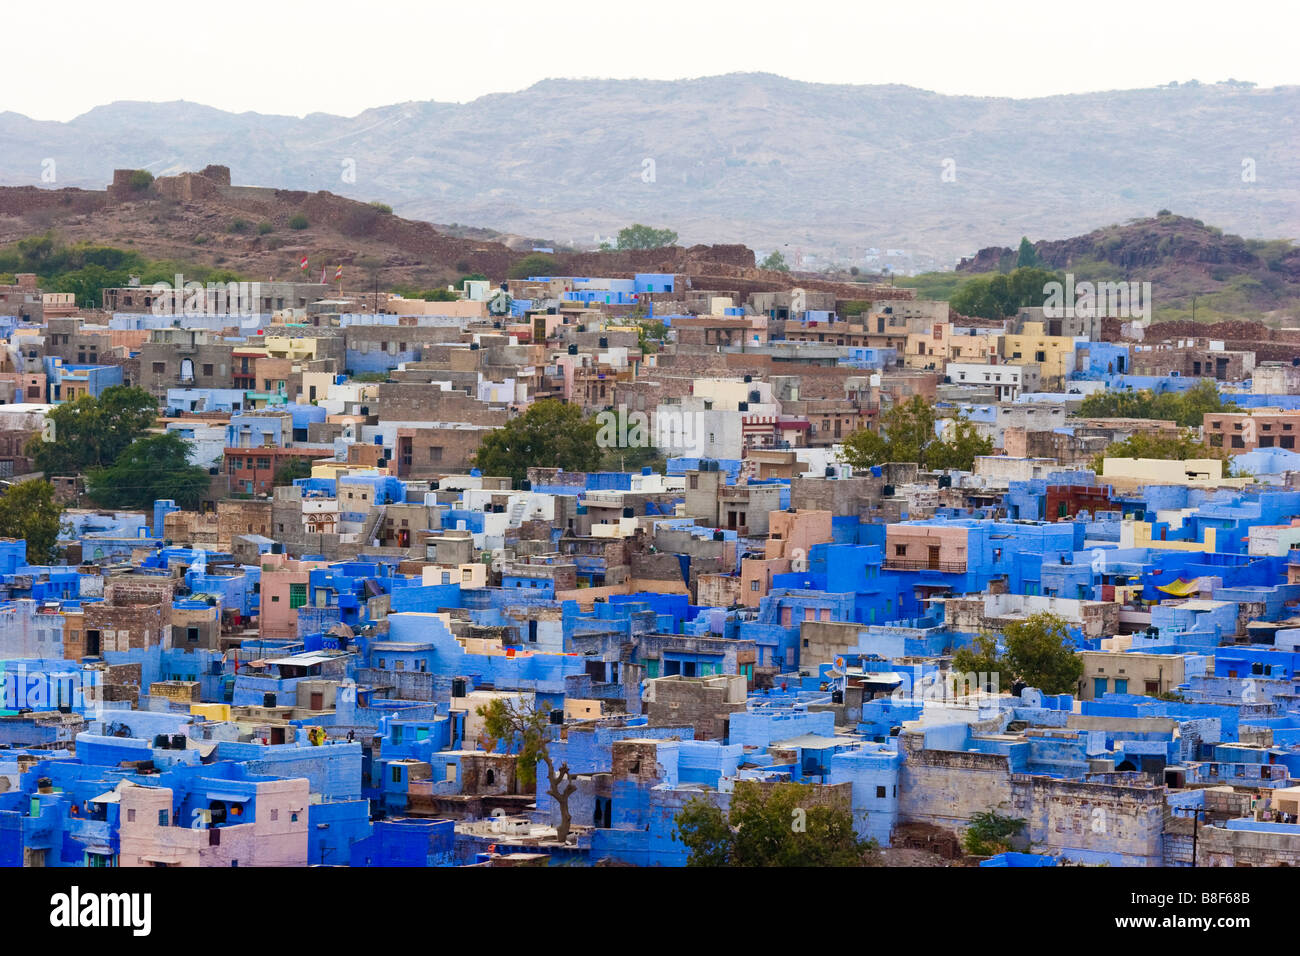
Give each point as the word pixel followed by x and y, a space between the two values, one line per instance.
pixel 299 222
pixel 141 179
pixel 775 261
pixel 907 434
pixel 1039 651
pixel 91 432
pixel 264 227
pixel 771 825
pixel 550 434
pixel 291 470
pixel 1187 408
pixel 1000 296
pixel 633 459
pixel 529 729
pixel 1186 445
pixel 866 447
pixel 28 511
pixel 1027 256
pixel 990 833
pixel 638 236
pixel 980 656
pixel 649 333
pixel 536 264
pixel 151 468
pixel 960 450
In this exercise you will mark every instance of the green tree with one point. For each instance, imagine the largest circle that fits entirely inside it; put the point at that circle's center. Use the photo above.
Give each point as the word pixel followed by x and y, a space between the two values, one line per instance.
pixel 907 434
pixel 91 432
pixel 638 236
pixel 1000 296
pixel 299 222
pixel 141 179
pixel 989 833
pixel 290 471
pixel 865 447
pixel 1186 445
pixel 549 434
pixel 529 730
pixel 633 459
pixel 151 468
pixel 535 264
pixel 28 511
pixel 775 261
pixel 1027 256
pixel 771 825
pixel 1187 408
pixel 960 449
pixel 981 657
pixel 1041 653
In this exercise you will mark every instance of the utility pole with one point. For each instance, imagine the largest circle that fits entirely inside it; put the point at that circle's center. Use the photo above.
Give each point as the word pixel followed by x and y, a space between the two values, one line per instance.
pixel 1196 822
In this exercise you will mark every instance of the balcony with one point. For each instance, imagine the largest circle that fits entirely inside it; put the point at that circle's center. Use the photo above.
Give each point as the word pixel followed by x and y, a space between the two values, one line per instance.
pixel 907 564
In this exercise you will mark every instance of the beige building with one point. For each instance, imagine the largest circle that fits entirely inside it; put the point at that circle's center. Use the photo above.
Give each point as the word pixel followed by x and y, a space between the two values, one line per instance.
pixel 1122 672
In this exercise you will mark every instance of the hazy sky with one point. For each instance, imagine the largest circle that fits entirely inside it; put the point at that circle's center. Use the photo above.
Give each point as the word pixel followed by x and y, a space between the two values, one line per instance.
pixel 343 56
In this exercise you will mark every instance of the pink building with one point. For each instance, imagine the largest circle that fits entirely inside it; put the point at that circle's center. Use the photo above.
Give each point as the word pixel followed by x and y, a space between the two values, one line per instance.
pixel 219 823
pixel 283 591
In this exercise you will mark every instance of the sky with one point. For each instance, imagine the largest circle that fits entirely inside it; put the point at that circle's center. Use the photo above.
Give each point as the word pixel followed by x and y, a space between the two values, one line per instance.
pixel 345 56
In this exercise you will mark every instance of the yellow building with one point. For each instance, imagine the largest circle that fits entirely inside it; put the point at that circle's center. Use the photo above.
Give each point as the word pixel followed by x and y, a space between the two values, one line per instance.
pixel 1053 354
pixel 296 348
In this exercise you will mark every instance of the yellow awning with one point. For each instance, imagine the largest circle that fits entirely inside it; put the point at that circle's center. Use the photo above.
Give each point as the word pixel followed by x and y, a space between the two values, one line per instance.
pixel 1180 588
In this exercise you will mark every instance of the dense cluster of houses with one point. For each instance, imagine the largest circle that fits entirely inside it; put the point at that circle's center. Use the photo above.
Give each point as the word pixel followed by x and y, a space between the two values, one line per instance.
pixel 296 673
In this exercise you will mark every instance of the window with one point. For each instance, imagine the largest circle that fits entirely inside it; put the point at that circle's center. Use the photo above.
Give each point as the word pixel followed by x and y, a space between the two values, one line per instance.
pixel 159 368
pixel 297 595
pixel 880 793
pixel 275 815
pixel 900 550
pixel 130 816
pixel 162 818
pixel 397 775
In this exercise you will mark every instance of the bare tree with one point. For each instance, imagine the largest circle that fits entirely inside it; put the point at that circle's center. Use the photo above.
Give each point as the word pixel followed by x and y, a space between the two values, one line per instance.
pixel 509 722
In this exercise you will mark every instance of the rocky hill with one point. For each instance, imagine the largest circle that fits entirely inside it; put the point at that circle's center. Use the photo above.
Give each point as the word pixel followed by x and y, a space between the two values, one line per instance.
pixel 1230 276
pixel 201 218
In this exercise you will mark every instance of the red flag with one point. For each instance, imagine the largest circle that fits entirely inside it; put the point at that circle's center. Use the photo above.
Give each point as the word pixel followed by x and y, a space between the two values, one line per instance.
pixel 338 273
pixel 322 275
pixel 303 265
